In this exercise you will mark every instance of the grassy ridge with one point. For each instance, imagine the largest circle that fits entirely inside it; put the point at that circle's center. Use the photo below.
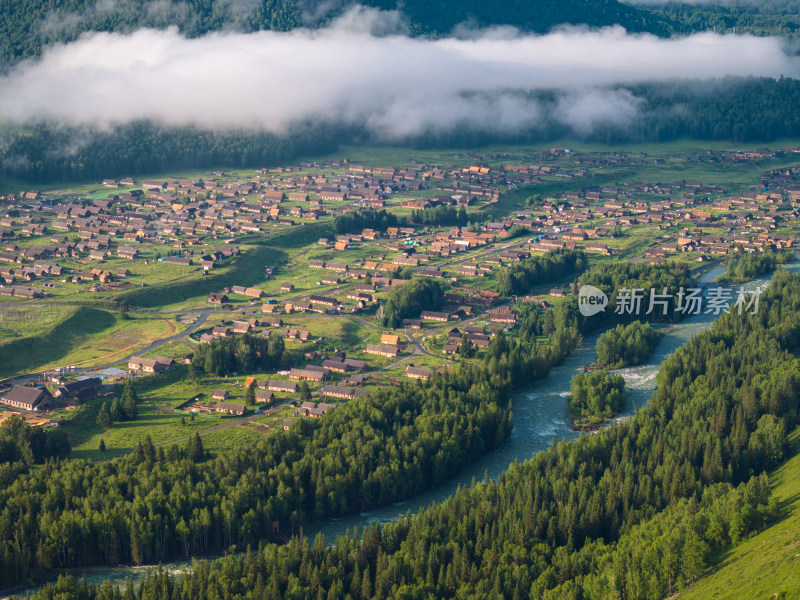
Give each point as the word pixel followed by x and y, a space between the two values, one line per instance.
pixel 55 343
pixel 28 319
pixel 87 335
pixel 768 564
pixel 247 270
pixel 298 237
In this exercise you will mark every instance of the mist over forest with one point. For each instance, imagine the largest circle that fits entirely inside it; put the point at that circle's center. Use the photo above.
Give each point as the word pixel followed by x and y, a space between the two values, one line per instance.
pixel 118 86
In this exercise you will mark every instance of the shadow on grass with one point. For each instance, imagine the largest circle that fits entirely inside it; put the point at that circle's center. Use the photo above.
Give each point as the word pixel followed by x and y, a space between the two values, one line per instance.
pixel 95 455
pixel 296 237
pixel 26 354
pixel 247 270
pixel 350 333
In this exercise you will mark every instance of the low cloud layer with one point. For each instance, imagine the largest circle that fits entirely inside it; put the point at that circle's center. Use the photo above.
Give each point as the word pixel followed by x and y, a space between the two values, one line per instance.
pixel 363 69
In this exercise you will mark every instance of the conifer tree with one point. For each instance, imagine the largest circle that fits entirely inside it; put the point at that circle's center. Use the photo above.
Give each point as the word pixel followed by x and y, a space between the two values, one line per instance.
pixel 129 399
pixel 117 414
pixel 104 417
pixel 251 393
pixel 194 449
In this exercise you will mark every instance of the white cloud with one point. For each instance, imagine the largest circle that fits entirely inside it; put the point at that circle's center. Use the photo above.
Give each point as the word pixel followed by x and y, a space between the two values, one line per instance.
pixel 360 70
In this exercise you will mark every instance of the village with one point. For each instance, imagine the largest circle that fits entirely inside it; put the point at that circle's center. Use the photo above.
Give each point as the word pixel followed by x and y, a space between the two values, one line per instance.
pixel 174 264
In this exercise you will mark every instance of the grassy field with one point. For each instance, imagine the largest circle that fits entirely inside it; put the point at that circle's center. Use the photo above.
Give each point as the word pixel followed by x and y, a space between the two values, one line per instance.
pixel 768 564
pixel 29 319
pixel 246 270
pixel 80 336
pixel 295 237
pixel 158 395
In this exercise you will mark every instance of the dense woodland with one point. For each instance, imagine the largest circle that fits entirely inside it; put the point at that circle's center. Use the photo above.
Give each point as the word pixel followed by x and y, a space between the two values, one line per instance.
pixel 635 511
pixel 627 345
pixel 240 354
pixel 760 17
pixel 521 277
pixel 152 505
pixel 26 26
pixel 615 277
pixel 21 443
pixel 43 153
pixel 596 395
pixel 410 299
pixel 365 218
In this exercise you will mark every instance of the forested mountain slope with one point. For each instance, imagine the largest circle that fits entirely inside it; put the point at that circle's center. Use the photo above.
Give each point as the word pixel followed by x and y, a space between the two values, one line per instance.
pixel 529 15
pixel 28 25
pixel 766 565
pixel 760 17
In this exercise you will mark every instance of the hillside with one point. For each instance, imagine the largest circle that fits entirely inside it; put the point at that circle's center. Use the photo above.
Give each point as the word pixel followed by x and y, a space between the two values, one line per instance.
pixel 759 17
pixel 529 15
pixel 28 25
pixel 767 563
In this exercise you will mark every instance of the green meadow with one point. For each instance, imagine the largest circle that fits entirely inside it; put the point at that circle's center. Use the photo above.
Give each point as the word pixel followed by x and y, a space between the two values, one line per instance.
pixel 68 335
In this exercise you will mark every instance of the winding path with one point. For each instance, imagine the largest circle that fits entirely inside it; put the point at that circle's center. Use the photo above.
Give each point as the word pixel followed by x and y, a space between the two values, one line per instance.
pixel 204 315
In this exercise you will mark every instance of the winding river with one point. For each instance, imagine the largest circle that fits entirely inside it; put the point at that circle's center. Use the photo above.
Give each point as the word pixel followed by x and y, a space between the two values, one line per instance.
pixel 539 415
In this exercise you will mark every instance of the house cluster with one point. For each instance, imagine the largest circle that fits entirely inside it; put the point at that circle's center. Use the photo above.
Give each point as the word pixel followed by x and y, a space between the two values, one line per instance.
pixel 254 326
pixel 473 334
pixel 183 222
pixel 30 398
pixel 58 238
pixel 336 363
pixel 688 216
pixel 157 364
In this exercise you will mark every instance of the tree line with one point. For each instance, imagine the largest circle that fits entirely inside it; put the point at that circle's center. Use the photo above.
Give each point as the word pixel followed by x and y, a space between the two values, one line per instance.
pixel 365 218
pixel 521 277
pixel 240 354
pixel 48 152
pixel 27 26
pixel 745 267
pixel 122 408
pixel 410 299
pixel 441 215
pixel 21 443
pixel 636 511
